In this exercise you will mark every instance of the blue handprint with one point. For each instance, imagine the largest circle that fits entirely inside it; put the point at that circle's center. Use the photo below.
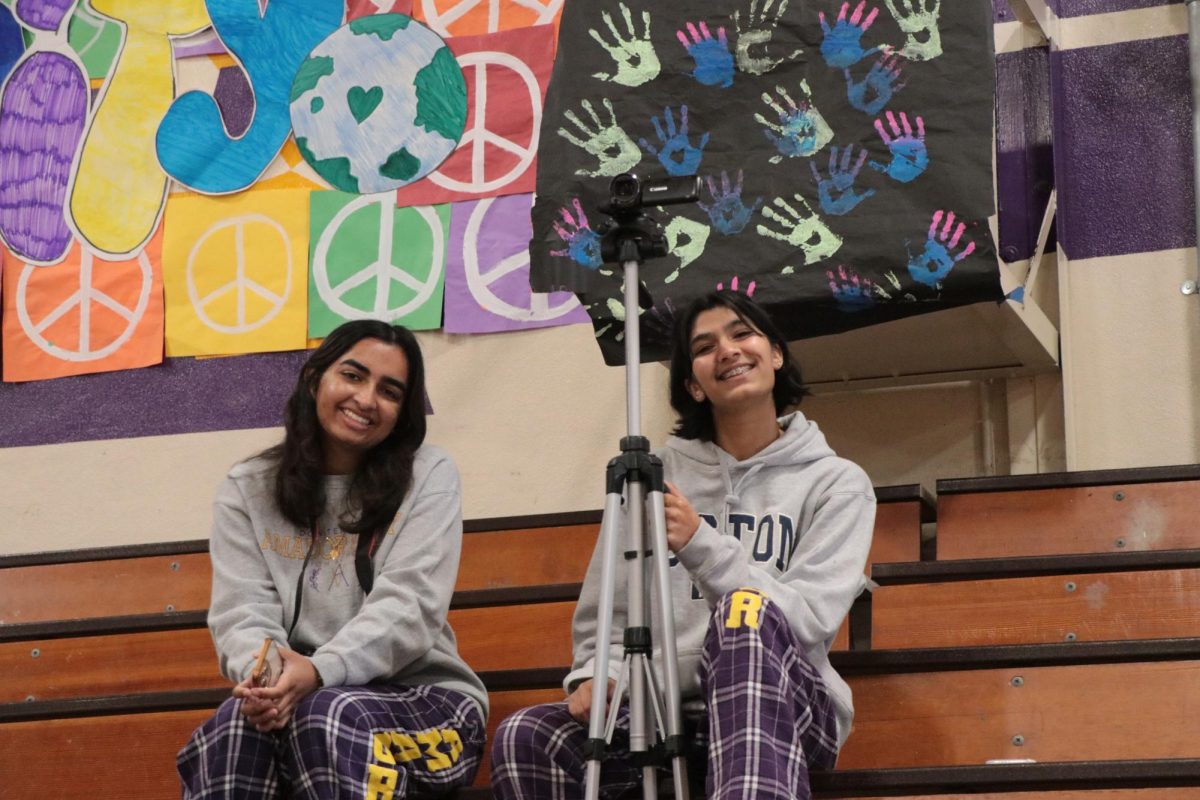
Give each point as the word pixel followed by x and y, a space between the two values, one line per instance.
pixel 801 130
pixel 583 243
pixel 714 62
pixel 675 152
pixel 836 193
pixel 931 266
pixel 909 156
pixel 850 292
pixel 842 45
pixel 881 82
pixel 727 211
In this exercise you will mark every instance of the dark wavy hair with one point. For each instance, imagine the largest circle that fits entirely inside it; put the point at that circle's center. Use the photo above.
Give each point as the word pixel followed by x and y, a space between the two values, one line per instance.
pixel 696 418
pixel 385 473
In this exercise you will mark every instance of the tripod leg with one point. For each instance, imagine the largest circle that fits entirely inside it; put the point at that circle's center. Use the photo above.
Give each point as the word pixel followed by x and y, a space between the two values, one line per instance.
pixel 662 581
pixel 610 541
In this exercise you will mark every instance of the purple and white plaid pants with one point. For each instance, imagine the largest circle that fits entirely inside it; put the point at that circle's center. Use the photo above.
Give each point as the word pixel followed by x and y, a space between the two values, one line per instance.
pixel 769 719
pixel 364 742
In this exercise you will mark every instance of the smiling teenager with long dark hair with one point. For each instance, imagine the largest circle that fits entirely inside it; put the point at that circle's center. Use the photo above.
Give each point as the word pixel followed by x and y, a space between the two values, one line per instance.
pixel 341 546
pixel 770 530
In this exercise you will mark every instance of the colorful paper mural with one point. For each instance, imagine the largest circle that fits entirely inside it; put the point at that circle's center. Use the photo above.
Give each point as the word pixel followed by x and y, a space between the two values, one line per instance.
pixel 192 143
pixel 473 17
pixel 118 191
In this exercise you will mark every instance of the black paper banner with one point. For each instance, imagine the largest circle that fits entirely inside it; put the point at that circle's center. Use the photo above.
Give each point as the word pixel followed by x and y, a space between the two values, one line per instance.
pixel 844 151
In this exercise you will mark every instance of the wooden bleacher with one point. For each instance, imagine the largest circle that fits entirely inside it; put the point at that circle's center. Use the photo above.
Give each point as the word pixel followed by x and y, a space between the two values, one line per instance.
pixel 1079 652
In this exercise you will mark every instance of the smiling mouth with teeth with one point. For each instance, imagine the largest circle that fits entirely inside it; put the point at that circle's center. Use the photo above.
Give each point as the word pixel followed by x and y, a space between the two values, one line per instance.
pixel 361 420
pixel 733 373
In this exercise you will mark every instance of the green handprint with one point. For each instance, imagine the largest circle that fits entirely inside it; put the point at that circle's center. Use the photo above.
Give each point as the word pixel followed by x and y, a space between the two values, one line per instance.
pixel 918 19
pixel 636 60
pixel 686 240
pixel 758 32
pixel 804 230
pixel 801 130
pixel 609 143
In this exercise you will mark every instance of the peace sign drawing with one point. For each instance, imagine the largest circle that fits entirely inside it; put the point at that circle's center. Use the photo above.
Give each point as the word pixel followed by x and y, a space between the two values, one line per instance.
pixel 243 301
pixel 469 17
pixel 487 274
pixel 234 272
pixel 83 315
pixel 371 260
pixel 506 74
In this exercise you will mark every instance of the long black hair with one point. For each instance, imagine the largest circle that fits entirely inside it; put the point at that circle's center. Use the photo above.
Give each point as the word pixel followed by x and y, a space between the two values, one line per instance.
pixel 384 474
pixel 695 417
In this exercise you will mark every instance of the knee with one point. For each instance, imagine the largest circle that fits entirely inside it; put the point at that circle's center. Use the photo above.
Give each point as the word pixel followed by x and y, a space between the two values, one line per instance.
pixel 528 733
pixel 744 610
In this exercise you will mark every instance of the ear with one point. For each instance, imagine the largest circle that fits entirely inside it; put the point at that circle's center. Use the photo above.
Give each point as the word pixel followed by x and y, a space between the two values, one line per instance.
pixel 776 357
pixel 694 390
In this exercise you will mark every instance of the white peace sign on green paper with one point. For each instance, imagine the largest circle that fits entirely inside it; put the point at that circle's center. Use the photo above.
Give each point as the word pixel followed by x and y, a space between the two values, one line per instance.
pixel 382 271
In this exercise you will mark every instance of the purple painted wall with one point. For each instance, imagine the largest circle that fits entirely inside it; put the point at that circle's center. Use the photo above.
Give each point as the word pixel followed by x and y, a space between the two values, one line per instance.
pixel 1083 8
pixel 1024 149
pixel 1123 147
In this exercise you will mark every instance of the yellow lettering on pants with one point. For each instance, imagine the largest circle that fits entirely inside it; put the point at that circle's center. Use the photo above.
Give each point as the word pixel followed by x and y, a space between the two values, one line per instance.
pixel 743 609
pixel 437 760
pixel 381 782
pixel 383 748
pixel 406 749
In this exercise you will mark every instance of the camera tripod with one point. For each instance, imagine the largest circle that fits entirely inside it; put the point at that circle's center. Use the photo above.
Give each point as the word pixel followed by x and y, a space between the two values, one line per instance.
pixel 637 476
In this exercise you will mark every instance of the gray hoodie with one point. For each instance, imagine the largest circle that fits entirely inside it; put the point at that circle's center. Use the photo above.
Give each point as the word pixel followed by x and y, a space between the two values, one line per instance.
pixel 398 634
pixel 793 521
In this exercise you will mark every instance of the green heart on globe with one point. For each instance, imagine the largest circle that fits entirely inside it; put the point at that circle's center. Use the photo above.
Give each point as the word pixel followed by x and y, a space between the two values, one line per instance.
pixel 363 102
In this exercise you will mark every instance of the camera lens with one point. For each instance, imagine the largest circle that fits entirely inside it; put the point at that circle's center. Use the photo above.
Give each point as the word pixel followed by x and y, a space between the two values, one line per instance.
pixel 624 186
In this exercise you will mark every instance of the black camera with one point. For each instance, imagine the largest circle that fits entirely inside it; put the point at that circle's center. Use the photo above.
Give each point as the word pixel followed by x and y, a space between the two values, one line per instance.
pixel 628 192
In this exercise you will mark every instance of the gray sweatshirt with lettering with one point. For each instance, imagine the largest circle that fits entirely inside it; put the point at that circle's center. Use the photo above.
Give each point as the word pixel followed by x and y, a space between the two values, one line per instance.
pixel 794 521
pixel 397 634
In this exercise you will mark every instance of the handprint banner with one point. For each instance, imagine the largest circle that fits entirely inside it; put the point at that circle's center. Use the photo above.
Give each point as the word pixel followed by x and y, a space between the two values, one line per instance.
pixel 843 150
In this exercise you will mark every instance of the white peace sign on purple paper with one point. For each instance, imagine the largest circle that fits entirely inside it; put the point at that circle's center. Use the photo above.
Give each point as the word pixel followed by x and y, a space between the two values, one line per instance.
pixel 480 280
pixel 381 270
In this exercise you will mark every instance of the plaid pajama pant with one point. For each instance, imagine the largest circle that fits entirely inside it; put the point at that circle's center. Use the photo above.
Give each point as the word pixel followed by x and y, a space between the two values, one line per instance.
pixel 364 742
pixel 769 719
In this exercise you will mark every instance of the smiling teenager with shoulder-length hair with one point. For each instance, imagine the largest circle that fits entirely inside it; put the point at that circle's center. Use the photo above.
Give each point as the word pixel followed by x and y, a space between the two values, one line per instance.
pixel 770 530
pixel 340 548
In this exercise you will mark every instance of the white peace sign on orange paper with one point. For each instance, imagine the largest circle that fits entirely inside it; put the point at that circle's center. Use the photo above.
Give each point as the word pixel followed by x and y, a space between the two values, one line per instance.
pixel 381 270
pixel 242 284
pixel 83 298
pixel 440 21
pixel 479 281
pixel 478 137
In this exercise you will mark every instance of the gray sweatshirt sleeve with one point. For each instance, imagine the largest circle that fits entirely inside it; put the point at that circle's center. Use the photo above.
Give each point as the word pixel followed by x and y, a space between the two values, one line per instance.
pixel 825 572
pixel 401 618
pixel 245 608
